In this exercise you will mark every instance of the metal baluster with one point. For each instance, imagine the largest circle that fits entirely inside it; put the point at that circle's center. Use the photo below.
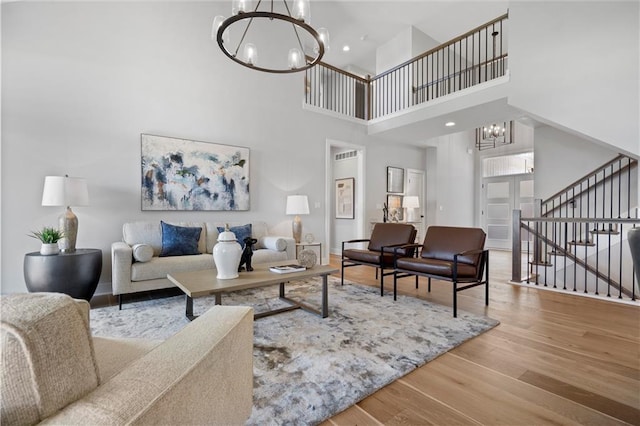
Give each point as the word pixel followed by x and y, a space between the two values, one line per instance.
pixel 586 246
pixel 629 193
pixel 620 262
pixel 564 269
pixel 597 237
pixel 609 262
pixel 619 189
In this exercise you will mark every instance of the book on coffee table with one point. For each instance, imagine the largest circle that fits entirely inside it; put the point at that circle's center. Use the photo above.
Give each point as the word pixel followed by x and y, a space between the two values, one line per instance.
pixel 285 269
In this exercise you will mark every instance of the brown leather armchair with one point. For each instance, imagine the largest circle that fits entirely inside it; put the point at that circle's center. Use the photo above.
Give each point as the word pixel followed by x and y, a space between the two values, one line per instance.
pixel 380 250
pixel 449 254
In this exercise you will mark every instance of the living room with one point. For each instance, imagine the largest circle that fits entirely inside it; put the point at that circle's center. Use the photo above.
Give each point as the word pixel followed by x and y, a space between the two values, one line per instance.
pixel 82 81
pixel 92 97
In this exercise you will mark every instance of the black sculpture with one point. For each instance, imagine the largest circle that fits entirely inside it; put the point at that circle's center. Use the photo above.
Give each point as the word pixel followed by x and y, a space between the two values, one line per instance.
pixel 247 254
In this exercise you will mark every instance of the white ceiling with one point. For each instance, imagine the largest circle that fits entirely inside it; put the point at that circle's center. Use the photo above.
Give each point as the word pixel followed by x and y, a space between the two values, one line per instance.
pixel 365 25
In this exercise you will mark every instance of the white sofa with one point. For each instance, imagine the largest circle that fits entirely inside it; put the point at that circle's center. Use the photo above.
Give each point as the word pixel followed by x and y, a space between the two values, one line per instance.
pixel 131 276
pixel 55 372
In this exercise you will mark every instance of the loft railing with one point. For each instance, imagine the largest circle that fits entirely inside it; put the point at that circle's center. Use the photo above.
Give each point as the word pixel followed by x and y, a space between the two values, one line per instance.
pixel 603 268
pixel 475 57
pixel 336 90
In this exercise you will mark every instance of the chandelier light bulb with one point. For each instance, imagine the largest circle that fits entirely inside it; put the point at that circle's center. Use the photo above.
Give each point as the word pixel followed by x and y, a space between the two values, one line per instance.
pixel 217 22
pixel 241 6
pixel 295 58
pixel 250 54
pixel 301 10
pixel 323 33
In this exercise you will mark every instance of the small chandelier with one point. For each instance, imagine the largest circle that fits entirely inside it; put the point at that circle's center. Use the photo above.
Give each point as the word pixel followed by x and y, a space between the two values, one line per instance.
pixel 304 46
pixel 494 135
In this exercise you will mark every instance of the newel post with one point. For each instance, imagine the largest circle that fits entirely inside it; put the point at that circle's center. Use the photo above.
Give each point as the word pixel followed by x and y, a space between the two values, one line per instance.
pixel 516 255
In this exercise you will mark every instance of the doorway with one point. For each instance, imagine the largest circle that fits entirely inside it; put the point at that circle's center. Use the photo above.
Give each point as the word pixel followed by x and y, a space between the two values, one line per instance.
pixel 343 160
pixel 415 187
pixel 500 196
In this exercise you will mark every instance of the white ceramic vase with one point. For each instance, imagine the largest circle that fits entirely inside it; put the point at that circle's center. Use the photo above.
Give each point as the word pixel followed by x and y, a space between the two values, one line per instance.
pixel 226 255
pixel 49 249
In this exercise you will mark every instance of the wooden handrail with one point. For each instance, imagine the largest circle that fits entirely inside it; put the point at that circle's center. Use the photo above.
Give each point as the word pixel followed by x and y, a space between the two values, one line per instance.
pixel 343 72
pixel 442 46
pixel 588 175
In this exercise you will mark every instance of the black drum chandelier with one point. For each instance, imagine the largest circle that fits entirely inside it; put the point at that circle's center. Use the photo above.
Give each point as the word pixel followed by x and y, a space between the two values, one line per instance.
pixel 281 32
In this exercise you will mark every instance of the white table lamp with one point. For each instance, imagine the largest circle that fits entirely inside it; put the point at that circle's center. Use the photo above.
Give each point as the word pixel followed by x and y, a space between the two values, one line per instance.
pixel 410 202
pixel 297 205
pixel 66 191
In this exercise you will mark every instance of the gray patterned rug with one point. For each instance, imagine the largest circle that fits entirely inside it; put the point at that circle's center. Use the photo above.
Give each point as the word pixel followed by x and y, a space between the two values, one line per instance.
pixel 307 369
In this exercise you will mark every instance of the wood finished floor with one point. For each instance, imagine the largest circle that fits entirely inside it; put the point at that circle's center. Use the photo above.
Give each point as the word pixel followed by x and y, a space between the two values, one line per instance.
pixel 554 359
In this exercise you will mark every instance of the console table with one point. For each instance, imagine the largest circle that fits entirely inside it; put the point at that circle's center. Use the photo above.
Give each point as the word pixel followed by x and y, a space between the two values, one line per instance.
pixel 75 273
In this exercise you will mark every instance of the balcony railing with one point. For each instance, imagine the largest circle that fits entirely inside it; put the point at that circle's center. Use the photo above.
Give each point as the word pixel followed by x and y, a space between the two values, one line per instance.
pixel 475 57
pixel 336 90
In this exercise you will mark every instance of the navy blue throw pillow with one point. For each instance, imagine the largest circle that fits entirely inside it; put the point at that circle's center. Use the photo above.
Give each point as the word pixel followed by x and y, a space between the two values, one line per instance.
pixel 241 232
pixel 179 240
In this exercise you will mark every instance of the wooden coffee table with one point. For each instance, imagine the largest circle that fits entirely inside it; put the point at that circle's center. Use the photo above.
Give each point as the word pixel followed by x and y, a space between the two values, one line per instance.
pixel 204 283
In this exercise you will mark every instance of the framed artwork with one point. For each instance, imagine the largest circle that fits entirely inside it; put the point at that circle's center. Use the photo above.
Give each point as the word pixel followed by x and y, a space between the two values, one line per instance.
pixel 394 204
pixel 345 198
pixel 181 174
pixel 395 180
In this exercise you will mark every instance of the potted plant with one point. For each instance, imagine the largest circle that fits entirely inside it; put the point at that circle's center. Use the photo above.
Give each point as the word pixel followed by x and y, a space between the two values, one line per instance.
pixel 49 238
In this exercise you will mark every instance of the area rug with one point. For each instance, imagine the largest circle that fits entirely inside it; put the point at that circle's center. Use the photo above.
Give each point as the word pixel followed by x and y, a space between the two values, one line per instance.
pixel 307 369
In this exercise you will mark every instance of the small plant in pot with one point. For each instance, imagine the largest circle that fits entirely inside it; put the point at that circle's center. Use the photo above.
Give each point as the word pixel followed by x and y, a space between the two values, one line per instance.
pixel 49 238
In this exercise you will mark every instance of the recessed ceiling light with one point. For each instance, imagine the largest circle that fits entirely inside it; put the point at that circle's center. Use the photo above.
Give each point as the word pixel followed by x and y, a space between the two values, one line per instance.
pixel 346 48
pixel 449 124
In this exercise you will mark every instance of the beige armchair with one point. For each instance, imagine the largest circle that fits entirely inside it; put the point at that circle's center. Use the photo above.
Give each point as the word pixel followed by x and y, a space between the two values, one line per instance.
pixel 55 372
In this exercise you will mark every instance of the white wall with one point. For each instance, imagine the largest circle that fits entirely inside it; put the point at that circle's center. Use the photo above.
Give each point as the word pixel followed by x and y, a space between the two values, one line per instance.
pixel 585 56
pixel 553 170
pixel 387 154
pixel 81 81
pixel 455 183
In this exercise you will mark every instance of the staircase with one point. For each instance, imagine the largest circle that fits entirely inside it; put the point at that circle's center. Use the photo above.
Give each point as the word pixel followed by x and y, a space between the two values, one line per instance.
pixel 578 241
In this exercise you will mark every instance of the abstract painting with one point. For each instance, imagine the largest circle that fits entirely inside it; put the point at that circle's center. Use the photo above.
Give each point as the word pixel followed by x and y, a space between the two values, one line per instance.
pixel 181 174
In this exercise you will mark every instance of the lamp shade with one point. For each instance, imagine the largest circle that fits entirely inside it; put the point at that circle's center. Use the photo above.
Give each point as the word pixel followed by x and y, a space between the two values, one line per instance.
pixel 297 204
pixel 411 202
pixel 65 191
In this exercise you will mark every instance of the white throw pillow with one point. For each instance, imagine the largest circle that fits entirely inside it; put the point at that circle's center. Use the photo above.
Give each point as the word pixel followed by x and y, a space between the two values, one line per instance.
pixel 142 252
pixel 274 243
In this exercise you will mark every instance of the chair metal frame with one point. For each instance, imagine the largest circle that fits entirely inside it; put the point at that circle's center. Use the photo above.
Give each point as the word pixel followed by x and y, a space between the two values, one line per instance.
pixel 481 278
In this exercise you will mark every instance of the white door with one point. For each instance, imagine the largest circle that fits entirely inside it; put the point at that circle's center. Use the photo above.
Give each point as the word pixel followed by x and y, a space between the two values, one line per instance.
pixel 500 196
pixel 415 186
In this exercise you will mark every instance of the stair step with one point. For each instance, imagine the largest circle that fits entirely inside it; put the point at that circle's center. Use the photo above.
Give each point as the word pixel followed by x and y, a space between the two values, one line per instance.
pixel 540 263
pixel 604 232
pixel 582 243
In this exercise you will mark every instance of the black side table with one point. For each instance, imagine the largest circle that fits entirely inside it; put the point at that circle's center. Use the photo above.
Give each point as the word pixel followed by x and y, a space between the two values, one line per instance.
pixel 76 273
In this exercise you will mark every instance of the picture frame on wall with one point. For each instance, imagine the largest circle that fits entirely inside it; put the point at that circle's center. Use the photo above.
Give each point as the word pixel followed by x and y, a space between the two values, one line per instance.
pixel 395 180
pixel 183 174
pixel 344 192
pixel 394 204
